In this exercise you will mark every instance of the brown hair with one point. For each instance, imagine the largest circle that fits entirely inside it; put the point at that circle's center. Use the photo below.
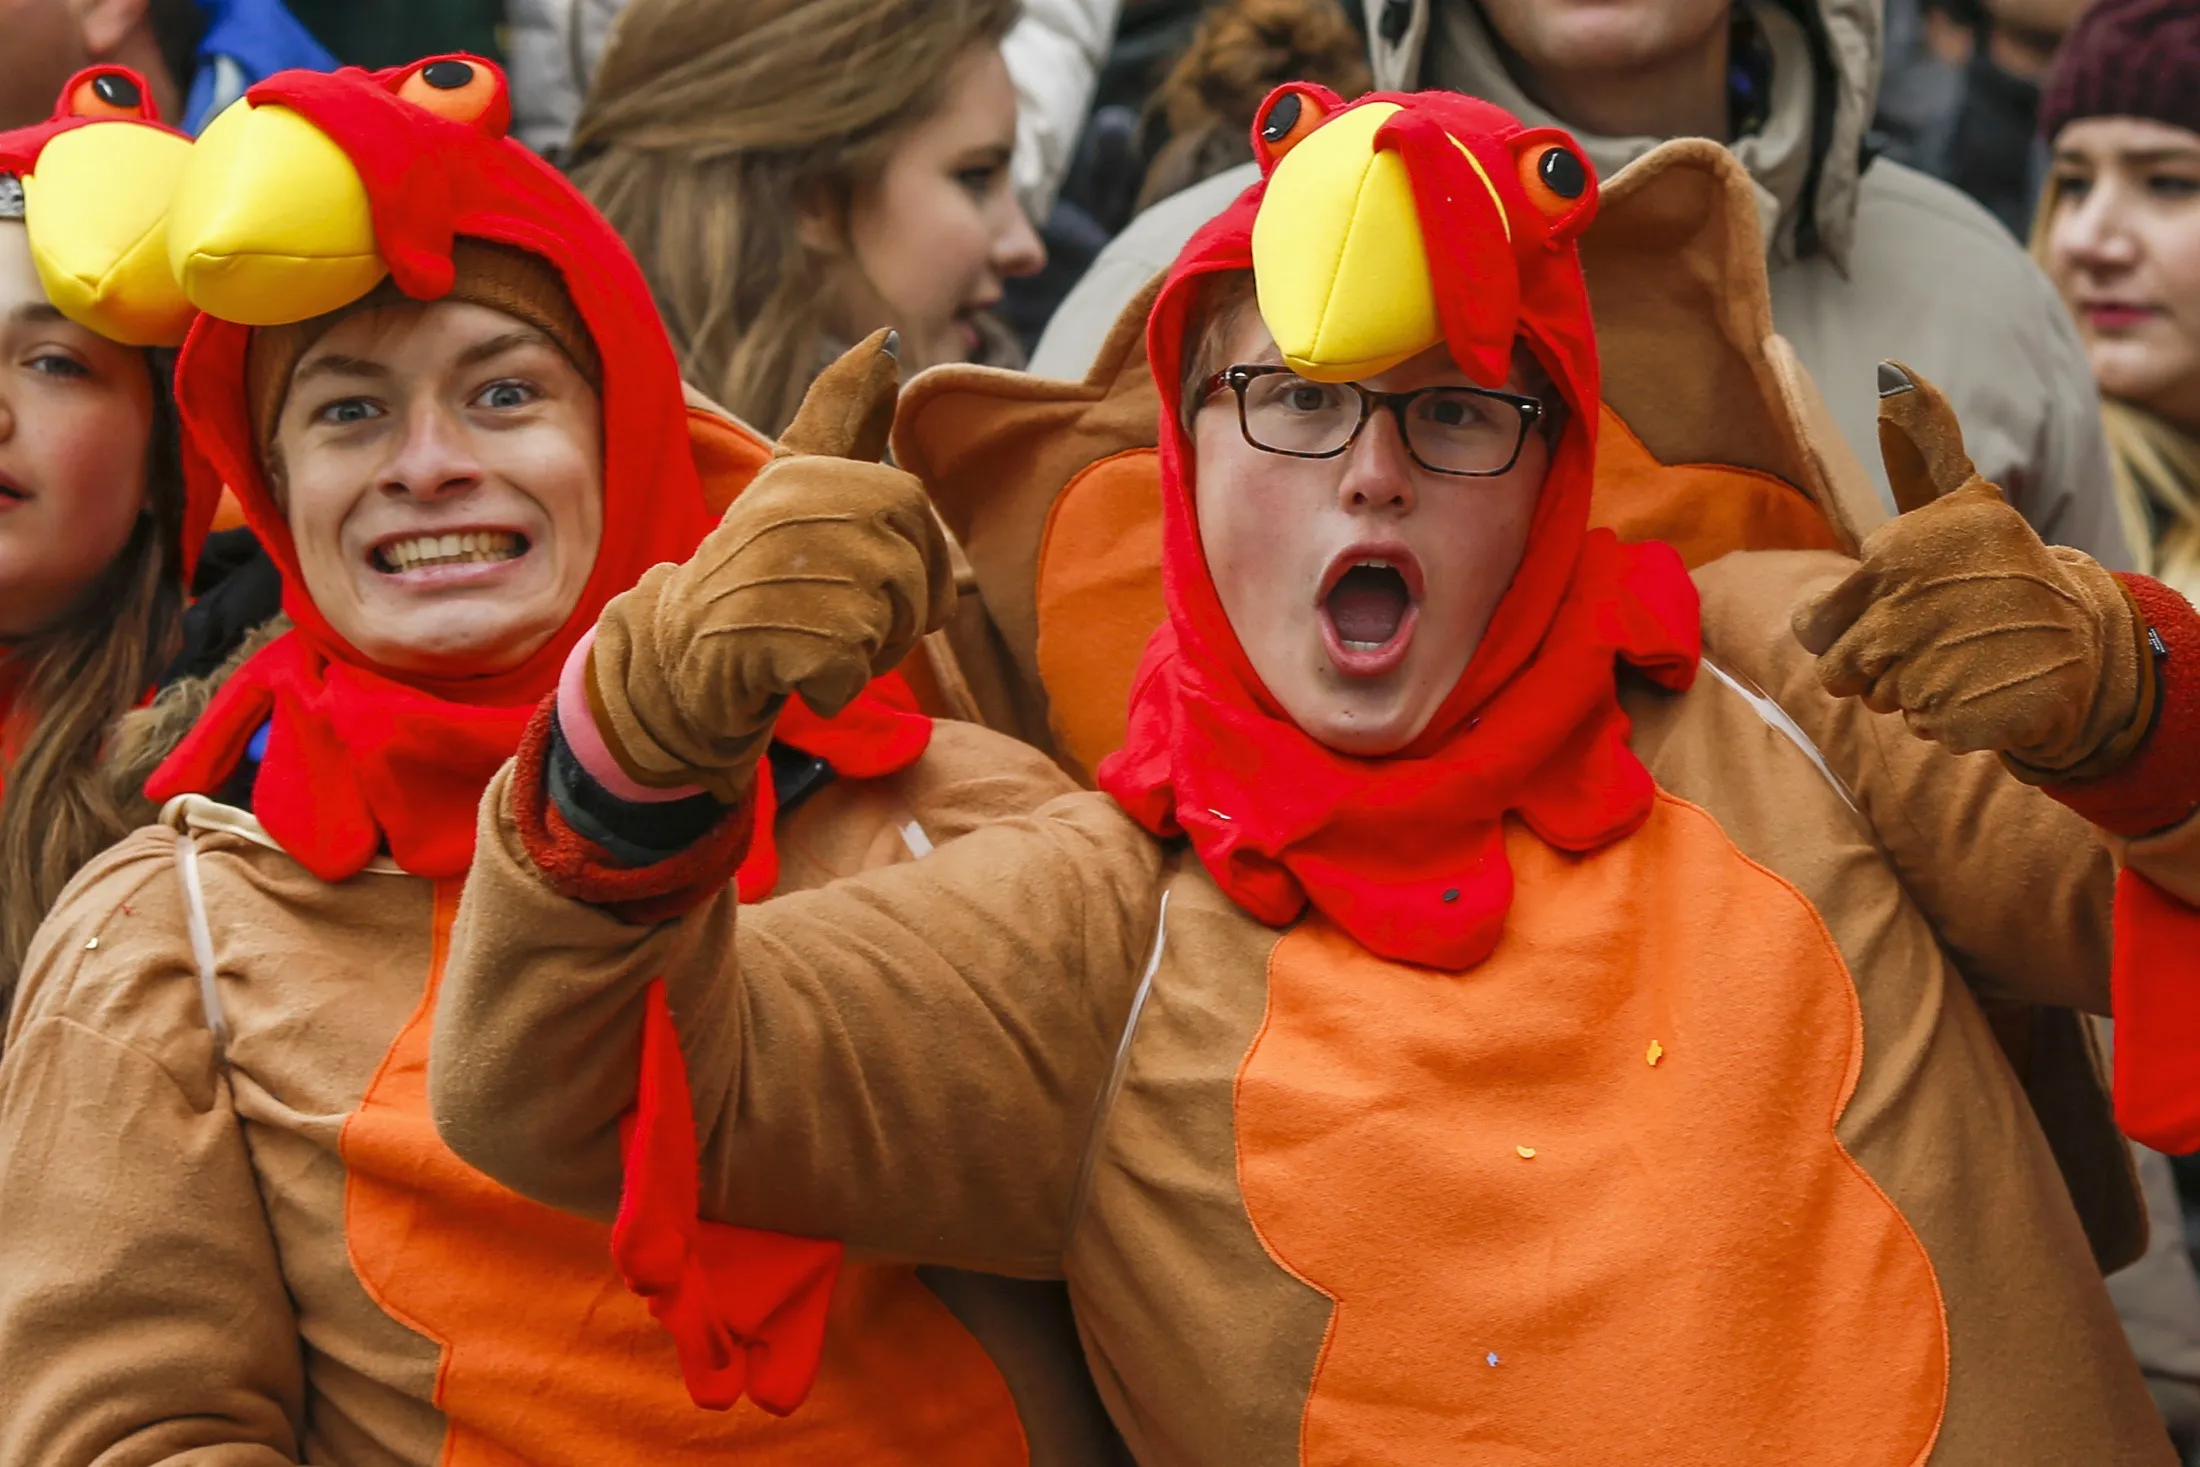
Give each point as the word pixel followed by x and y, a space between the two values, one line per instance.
pixel 712 123
pixel 1242 51
pixel 58 809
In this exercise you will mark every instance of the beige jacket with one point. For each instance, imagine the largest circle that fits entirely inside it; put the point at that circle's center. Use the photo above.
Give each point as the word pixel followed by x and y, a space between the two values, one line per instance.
pixel 229 1236
pixel 1723 1120
pixel 1905 266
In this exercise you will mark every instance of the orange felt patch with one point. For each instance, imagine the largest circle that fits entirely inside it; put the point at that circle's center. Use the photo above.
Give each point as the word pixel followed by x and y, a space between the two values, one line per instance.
pixel 1688 1268
pixel 1098 599
pixel 1702 510
pixel 548 1357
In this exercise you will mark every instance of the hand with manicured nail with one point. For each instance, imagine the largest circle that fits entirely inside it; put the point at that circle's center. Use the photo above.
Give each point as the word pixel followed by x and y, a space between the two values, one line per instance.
pixel 823 574
pixel 1963 621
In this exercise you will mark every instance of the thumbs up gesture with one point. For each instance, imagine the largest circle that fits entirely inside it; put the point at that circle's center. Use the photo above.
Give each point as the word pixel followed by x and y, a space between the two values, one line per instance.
pixel 1963 621
pixel 823 574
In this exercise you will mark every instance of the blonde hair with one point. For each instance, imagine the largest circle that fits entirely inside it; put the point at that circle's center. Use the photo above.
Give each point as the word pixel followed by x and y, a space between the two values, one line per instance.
pixel 59 809
pixel 2154 466
pixel 712 124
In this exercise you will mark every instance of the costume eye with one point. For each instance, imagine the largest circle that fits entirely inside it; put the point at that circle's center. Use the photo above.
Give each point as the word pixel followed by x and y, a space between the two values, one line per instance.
pixel 1290 113
pixel 459 89
pixel 108 91
pixel 1556 179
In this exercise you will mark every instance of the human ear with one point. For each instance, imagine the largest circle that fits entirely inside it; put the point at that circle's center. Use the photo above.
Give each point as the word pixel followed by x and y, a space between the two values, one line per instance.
pixel 821 224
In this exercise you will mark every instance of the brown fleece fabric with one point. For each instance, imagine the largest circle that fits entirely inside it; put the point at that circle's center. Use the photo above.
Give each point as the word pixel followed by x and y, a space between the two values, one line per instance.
pixel 823 574
pixel 1961 619
pixel 523 286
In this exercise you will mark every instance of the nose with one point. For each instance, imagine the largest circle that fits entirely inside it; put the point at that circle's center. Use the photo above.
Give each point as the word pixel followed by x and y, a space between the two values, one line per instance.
pixel 1017 249
pixel 1378 472
pixel 435 459
pixel 2094 233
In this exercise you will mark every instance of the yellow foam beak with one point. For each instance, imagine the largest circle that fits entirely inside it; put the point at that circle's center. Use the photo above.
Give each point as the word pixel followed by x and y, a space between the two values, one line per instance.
pixel 271 222
pixel 96 214
pixel 1342 277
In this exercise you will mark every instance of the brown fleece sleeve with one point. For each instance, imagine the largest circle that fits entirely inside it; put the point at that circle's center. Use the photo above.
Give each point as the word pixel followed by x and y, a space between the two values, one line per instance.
pixel 2017 887
pixel 143 1318
pixel 907 1059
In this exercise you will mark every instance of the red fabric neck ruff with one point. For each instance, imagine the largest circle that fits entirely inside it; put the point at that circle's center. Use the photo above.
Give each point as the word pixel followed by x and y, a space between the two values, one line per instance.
pixel 361 757
pixel 1406 853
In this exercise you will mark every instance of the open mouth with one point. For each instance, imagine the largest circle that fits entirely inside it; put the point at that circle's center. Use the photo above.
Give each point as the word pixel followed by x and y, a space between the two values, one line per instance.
pixel 1368 605
pixel 1368 610
pixel 429 552
pixel 13 493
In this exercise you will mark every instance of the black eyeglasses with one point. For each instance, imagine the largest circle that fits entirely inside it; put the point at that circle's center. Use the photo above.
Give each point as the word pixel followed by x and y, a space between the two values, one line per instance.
pixel 1472 432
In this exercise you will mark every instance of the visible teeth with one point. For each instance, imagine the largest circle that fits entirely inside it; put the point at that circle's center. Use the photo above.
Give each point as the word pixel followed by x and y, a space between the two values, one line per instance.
pixel 1352 646
pixel 471 547
pixel 1372 564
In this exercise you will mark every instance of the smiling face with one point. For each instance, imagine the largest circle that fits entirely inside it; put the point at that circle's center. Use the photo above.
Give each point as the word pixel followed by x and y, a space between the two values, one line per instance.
pixel 932 238
pixel 76 416
pixel 442 472
pixel 2123 247
pixel 1359 586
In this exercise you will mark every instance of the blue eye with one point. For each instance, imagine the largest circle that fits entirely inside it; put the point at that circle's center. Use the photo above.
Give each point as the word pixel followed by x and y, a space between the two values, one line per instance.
pixel 506 395
pixel 348 410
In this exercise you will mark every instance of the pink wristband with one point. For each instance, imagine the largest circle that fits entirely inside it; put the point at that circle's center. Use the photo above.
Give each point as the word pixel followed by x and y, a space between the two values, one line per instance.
pixel 578 725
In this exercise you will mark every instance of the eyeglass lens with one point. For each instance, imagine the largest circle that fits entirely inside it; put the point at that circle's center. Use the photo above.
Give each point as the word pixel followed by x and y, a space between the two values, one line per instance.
pixel 1453 429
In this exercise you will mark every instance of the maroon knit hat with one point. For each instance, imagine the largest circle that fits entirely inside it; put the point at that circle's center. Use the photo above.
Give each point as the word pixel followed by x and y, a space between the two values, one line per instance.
pixel 2127 58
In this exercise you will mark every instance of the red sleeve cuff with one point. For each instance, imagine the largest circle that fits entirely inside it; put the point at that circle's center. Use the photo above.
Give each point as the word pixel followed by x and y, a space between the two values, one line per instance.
pixel 578 868
pixel 2159 786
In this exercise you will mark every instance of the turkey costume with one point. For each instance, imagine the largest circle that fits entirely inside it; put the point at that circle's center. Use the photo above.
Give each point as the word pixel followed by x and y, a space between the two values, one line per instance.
pixel 1600 1078
pixel 227 1227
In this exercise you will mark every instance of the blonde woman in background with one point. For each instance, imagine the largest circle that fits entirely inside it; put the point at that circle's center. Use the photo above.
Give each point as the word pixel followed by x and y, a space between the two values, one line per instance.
pixel 2118 229
pixel 794 174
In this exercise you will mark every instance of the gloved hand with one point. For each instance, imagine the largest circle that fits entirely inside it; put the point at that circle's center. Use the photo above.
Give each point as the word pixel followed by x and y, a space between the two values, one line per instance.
pixel 824 573
pixel 1959 617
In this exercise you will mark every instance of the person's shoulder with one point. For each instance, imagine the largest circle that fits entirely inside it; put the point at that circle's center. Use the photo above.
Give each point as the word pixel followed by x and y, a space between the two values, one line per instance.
pixel 1913 231
pixel 112 947
pixel 1147 246
pixel 970 775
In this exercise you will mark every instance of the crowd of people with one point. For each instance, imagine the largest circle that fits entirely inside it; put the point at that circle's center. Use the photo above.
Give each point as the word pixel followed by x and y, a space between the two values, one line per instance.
pixel 1086 731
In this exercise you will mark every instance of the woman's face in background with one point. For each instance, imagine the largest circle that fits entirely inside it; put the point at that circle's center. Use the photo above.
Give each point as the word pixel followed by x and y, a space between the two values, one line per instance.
pixel 931 240
pixel 76 415
pixel 2123 247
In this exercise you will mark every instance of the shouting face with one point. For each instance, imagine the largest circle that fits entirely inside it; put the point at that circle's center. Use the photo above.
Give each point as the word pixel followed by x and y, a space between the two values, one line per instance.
pixel 442 470
pixel 1360 584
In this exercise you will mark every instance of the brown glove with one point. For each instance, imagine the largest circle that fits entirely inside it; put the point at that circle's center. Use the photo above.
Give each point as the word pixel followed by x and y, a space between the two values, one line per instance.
pixel 823 574
pixel 1959 617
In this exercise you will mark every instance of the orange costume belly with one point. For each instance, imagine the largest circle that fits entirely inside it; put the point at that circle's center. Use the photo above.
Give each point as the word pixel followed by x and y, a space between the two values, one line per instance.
pixel 548 1358
pixel 1543 1247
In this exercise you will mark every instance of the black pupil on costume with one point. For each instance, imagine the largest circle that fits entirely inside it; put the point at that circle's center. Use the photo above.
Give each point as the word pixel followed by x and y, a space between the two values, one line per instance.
pixel 446 76
pixel 1281 118
pixel 1562 173
pixel 116 91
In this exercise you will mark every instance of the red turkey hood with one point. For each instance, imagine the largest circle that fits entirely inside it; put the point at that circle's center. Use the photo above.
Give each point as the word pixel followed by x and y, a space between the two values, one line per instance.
pixel 1334 233
pixel 429 179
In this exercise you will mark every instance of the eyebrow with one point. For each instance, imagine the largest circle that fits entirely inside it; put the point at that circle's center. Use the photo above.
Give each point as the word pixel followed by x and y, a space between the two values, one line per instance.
pixel 333 365
pixel 497 346
pixel 38 311
pixel 2135 157
pixel 992 155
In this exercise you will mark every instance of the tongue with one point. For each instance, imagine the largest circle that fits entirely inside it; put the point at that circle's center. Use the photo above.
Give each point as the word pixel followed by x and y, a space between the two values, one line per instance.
pixel 1368 604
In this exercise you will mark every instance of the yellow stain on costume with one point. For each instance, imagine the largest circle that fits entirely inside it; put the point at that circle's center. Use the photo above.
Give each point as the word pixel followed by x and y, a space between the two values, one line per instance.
pixel 271 222
pixel 96 215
